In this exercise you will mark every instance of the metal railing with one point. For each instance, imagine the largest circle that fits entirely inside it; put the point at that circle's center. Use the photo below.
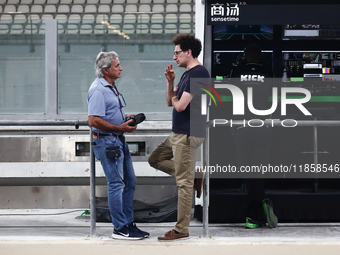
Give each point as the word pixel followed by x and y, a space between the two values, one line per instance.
pixel 77 123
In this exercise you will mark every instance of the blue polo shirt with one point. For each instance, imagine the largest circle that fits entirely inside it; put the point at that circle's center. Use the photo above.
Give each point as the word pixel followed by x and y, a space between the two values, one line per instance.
pixel 104 103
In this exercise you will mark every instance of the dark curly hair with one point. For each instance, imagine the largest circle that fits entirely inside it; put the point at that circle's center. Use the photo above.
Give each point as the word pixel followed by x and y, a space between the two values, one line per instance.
pixel 187 42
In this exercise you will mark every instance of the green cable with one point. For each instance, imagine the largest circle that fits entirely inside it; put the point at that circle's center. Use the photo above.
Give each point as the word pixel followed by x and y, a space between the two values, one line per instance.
pixel 87 212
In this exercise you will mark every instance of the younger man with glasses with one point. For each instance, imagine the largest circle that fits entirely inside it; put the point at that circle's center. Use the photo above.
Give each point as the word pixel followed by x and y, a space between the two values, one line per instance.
pixel 182 144
pixel 107 120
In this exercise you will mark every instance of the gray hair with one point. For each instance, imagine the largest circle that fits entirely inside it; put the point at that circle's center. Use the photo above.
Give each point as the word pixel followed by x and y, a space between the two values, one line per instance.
pixel 104 60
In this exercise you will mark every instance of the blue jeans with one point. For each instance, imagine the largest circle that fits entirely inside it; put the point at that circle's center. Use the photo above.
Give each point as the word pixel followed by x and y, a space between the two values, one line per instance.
pixel 121 180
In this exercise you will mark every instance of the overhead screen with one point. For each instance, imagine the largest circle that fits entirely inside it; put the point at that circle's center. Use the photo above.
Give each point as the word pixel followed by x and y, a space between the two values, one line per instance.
pixel 243 32
pixel 310 32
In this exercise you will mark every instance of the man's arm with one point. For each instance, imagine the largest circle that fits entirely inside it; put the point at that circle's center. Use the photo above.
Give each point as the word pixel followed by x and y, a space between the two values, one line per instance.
pixel 170 93
pixel 98 122
pixel 170 77
pixel 181 105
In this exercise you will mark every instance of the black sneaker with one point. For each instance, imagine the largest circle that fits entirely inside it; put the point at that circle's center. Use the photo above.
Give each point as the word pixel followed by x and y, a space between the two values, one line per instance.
pixel 133 228
pixel 126 234
pixel 268 211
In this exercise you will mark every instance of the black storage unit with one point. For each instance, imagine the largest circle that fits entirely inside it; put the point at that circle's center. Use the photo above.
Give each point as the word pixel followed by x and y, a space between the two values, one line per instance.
pixel 301 55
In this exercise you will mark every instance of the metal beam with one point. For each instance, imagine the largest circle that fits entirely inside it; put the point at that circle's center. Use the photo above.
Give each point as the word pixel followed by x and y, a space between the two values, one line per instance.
pixel 92 190
pixel 51 68
pixel 75 123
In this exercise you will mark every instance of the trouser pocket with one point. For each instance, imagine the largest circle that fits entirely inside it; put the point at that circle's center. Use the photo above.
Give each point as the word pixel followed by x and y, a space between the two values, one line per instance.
pixel 96 150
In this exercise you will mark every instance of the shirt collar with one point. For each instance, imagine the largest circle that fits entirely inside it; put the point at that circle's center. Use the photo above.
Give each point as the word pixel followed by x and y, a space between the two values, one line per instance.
pixel 104 82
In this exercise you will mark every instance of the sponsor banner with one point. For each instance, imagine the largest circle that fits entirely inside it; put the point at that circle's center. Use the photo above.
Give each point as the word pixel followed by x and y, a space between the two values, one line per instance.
pixel 242 13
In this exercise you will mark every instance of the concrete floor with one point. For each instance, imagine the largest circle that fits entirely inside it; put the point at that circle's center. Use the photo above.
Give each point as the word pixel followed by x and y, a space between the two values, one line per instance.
pixel 62 232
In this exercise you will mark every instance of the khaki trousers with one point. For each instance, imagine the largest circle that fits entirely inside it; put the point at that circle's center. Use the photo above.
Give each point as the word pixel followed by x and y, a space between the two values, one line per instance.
pixel 176 156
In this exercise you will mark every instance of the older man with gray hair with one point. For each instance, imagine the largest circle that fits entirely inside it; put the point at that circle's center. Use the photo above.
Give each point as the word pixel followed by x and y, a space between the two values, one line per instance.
pixel 108 122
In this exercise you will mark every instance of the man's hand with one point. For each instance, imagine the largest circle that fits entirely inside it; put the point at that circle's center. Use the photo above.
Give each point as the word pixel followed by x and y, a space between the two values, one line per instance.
pixel 129 116
pixel 175 91
pixel 174 99
pixel 170 73
pixel 126 128
pixel 181 104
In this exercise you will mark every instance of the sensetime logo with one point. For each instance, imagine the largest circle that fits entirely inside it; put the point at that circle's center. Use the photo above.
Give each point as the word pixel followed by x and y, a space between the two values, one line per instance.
pixel 227 12
pixel 240 101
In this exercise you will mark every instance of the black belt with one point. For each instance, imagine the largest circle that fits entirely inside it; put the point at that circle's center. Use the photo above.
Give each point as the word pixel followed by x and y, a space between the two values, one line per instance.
pixel 95 135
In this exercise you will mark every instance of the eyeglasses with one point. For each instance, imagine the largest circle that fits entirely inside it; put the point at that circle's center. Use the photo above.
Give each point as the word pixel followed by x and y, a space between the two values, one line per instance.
pixel 176 53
